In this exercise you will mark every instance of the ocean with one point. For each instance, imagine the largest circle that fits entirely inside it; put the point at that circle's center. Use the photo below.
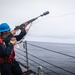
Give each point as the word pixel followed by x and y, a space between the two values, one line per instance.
pixel 55 58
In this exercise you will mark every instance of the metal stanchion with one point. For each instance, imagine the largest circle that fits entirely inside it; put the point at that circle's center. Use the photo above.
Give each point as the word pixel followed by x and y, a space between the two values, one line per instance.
pixel 40 70
pixel 26 54
pixel 28 72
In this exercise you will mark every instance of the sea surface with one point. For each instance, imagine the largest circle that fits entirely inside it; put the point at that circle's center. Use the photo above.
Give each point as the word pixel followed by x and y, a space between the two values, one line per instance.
pixel 55 58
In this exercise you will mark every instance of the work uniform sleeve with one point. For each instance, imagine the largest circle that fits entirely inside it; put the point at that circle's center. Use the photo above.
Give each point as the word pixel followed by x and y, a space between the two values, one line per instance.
pixel 5 51
pixel 21 35
pixel 7 40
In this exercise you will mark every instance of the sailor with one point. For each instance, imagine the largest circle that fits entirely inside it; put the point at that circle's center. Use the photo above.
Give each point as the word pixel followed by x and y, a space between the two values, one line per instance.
pixel 8 63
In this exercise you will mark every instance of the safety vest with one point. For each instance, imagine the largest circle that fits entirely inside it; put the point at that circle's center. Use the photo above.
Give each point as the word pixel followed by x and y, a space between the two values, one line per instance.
pixel 9 58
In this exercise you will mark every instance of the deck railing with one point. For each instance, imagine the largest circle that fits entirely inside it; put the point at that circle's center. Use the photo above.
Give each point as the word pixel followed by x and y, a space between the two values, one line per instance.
pixel 32 62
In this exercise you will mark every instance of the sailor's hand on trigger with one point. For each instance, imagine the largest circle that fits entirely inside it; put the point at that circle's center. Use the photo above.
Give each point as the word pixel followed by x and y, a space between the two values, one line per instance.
pixel 14 42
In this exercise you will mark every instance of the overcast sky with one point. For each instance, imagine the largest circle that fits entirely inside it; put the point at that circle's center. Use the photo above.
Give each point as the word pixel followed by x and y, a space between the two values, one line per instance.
pixel 58 26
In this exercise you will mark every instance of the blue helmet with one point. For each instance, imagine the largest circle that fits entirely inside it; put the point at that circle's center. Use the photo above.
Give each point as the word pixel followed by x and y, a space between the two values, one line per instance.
pixel 4 27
